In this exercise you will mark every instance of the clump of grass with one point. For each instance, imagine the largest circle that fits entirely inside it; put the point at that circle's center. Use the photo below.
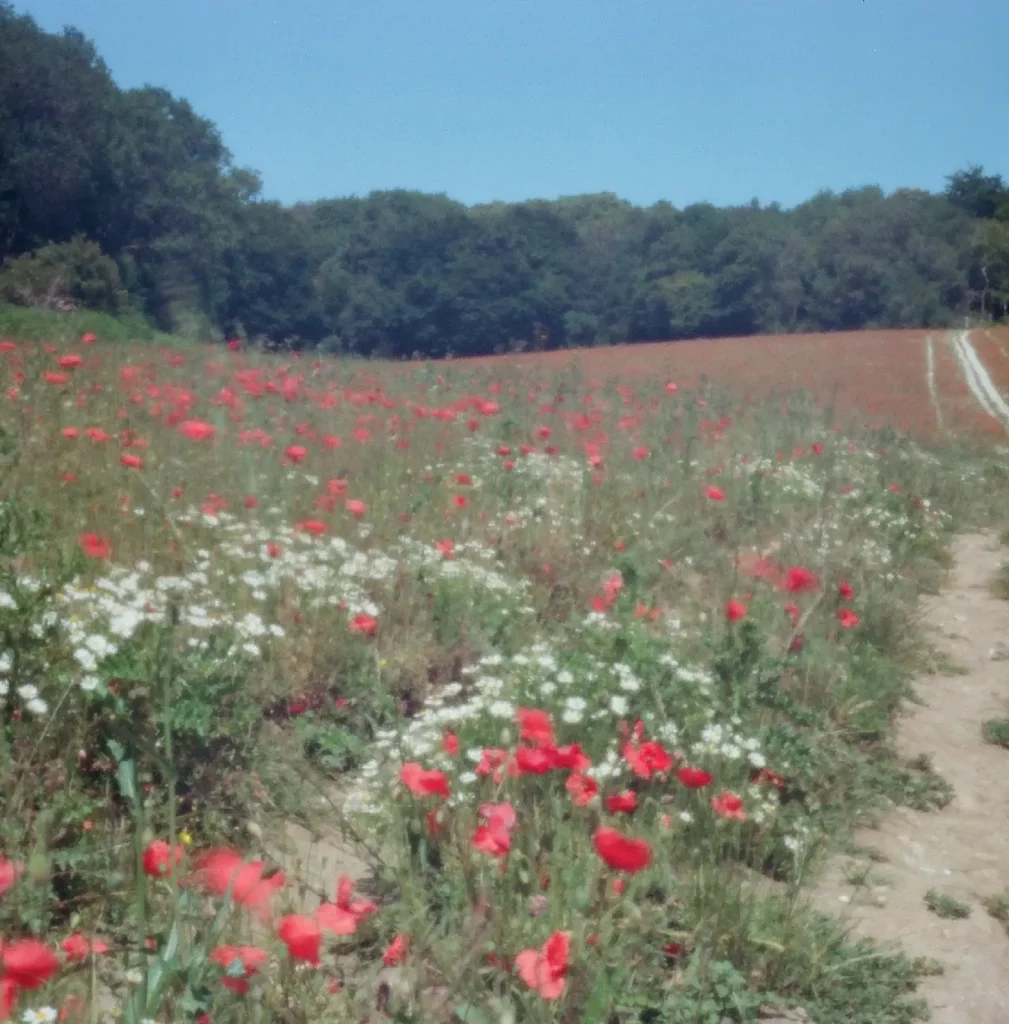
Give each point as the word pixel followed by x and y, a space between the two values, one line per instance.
pixel 996 731
pixel 998 907
pixel 943 905
pixel 919 786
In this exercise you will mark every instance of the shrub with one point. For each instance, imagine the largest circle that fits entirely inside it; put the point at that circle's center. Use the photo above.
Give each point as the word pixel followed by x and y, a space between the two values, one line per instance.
pixel 64 276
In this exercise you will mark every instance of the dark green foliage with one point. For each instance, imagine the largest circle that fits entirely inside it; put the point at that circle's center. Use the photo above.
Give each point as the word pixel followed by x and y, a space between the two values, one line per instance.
pixel 943 905
pixel 64 276
pixel 405 273
pixel 996 732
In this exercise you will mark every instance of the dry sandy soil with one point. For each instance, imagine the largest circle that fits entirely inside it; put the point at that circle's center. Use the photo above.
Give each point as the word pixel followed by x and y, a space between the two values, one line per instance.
pixel 962 850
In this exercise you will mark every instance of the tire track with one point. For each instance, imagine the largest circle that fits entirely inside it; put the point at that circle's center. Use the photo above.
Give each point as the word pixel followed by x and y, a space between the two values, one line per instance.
pixel 930 374
pixel 978 379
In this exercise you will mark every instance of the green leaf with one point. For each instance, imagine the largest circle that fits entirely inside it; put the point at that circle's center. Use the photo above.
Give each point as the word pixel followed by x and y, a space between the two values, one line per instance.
pixel 160 971
pixel 471 1015
pixel 126 776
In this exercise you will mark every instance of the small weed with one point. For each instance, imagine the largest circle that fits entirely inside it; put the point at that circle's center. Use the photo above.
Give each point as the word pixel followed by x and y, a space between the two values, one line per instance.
pixel 870 853
pixel 919 786
pixel 998 907
pixel 943 905
pixel 929 967
pixel 933 661
pixel 996 731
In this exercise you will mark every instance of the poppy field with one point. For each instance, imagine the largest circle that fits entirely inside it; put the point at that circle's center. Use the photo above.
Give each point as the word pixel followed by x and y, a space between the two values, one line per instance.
pixel 577 669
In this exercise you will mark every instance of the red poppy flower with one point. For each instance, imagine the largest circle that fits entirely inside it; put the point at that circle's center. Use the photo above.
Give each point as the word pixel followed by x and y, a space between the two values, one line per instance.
pixel 620 852
pixel 715 493
pixel 222 870
pixel 157 858
pixel 847 618
pixel 355 507
pixel 735 610
pixel 94 546
pixel 10 872
pixel 492 760
pixel 494 837
pixel 693 778
pixel 729 805
pixel 197 430
pixel 8 997
pixel 846 590
pixel 622 803
pixel 672 387
pixel 315 527
pixel 365 624
pixel 232 959
pixel 131 461
pixel 424 782
pixel 302 936
pixel 800 580
pixel 647 759
pixel 535 726
pixel 571 757
pixel 395 952
pixel 765 777
pixel 531 761
pixel 502 812
pixel 343 916
pixel 29 963
pixel 77 947
pixel 450 744
pixel 543 970
pixel 446 547
pixel 52 377
pixel 295 453
pixel 582 788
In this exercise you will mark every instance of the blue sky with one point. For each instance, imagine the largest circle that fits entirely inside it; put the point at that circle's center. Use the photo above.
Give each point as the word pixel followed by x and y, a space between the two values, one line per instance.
pixel 685 100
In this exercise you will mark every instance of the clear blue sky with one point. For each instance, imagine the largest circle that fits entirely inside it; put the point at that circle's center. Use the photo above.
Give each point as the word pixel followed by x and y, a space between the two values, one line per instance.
pixel 685 100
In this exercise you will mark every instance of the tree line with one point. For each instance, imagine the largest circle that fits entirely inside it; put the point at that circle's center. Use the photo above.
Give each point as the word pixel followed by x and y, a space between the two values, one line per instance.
pixel 129 200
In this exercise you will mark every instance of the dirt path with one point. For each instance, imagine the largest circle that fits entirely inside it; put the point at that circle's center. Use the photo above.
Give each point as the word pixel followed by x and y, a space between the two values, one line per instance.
pixel 962 850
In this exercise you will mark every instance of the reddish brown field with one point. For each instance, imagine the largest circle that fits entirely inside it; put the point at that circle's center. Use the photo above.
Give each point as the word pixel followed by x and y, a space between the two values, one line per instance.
pixel 881 375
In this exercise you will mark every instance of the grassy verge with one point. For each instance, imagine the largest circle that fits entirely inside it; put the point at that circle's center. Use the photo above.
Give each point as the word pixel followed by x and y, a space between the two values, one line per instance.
pixel 591 677
pixel 27 324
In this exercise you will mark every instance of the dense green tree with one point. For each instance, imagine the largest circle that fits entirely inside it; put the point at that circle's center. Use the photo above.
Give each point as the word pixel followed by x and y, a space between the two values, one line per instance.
pixel 132 189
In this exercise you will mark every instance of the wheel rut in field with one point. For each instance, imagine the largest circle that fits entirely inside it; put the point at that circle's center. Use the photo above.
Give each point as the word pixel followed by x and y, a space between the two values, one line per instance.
pixel 978 379
pixel 962 850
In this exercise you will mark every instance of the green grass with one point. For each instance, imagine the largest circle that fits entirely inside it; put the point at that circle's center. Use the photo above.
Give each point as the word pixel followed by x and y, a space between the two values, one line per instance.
pixel 943 905
pixel 996 732
pixel 998 907
pixel 25 324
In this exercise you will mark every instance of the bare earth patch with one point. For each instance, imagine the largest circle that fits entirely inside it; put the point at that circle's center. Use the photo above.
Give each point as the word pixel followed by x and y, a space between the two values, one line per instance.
pixel 962 850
